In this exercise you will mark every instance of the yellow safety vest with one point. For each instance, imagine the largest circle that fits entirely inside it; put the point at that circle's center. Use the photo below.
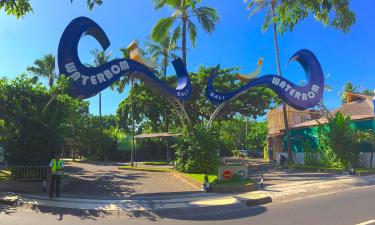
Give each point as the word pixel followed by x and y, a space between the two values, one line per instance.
pixel 56 166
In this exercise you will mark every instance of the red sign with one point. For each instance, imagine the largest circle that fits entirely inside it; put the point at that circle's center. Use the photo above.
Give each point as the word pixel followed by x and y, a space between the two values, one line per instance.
pixel 227 175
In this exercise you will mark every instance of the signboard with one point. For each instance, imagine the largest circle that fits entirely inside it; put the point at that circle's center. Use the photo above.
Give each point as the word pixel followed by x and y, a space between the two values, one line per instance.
pixel 227 172
pixel 299 97
pixel 86 82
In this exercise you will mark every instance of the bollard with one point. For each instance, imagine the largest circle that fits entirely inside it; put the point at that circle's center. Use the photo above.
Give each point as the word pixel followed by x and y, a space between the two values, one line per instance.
pixel 44 186
pixel 261 180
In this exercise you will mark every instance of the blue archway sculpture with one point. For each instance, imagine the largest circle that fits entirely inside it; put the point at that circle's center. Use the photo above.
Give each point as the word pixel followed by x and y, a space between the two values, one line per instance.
pixel 299 97
pixel 86 81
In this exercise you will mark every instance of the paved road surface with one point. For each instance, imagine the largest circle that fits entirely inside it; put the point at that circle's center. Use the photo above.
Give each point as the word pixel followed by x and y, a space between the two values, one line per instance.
pixel 345 208
pixel 107 181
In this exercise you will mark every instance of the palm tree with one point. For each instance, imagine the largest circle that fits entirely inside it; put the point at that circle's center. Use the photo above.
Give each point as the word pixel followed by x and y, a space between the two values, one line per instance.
pixel 261 5
pixel 185 11
pixel 120 86
pixel 100 58
pixel 162 51
pixel 45 67
pixel 348 87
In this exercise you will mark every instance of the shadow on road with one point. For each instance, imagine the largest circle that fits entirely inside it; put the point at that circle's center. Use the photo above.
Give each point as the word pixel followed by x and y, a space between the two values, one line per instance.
pixel 228 212
pixel 7 209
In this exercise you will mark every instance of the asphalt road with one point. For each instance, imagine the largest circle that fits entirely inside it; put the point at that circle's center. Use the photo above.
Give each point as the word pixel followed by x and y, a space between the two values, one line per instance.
pixel 344 208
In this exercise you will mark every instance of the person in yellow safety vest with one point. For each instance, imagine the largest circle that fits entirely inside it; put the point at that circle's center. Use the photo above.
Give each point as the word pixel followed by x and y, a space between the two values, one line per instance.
pixel 57 167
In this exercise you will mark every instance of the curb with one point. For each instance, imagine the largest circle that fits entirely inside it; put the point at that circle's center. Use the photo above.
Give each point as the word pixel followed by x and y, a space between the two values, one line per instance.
pixel 9 200
pixel 260 201
pixel 255 199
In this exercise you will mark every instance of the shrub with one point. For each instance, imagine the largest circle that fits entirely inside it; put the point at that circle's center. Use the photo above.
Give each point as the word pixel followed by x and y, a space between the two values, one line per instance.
pixel 196 150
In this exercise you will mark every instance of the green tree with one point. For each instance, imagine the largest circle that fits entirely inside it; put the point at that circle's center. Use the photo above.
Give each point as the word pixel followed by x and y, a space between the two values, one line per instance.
pixel 33 132
pixel 369 92
pixel 196 150
pixel 348 87
pixel 100 58
pixel 284 15
pixel 257 135
pixel 20 8
pixel 185 11
pixel 45 67
pixel 162 51
pixel 149 105
pixel 342 139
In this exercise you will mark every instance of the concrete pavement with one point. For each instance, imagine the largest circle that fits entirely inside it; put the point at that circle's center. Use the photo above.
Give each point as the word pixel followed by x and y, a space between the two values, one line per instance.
pixel 105 180
pixel 353 207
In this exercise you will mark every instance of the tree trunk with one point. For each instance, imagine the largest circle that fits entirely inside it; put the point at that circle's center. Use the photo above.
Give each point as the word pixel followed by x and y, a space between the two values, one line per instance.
pixel 165 65
pixel 74 142
pixel 285 115
pixel 100 108
pixel 132 108
pixel 184 21
pixel 50 83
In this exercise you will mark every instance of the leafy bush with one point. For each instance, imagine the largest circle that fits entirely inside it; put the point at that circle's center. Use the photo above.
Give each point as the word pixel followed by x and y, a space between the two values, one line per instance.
pixel 196 150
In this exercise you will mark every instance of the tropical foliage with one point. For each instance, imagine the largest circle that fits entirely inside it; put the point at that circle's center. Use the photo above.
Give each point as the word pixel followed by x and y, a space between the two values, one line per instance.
pixel 20 8
pixel 197 149
pixel 45 67
pixel 100 58
pixel 287 14
pixel 184 12
pixel 162 51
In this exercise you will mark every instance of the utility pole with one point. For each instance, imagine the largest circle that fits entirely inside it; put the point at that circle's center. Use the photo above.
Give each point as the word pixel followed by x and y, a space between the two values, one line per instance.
pixel 247 121
pixel 132 108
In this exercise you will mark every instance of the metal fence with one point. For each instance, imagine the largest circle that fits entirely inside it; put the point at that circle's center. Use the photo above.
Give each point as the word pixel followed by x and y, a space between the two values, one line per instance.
pixel 27 173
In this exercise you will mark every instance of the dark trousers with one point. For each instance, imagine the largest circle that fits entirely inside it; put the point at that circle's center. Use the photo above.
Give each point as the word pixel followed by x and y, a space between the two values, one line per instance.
pixel 54 179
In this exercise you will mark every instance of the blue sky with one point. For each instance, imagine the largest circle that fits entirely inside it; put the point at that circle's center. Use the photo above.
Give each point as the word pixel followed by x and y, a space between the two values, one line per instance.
pixel 237 41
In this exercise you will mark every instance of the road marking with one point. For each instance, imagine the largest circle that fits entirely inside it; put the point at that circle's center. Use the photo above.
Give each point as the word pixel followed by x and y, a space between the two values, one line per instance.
pixel 367 222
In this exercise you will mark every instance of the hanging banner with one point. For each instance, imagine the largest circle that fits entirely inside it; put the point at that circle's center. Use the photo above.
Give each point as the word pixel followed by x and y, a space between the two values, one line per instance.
pixel 299 97
pixel 86 82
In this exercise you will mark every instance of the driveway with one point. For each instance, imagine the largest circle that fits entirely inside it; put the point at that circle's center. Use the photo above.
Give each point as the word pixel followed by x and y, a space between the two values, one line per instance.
pixel 105 180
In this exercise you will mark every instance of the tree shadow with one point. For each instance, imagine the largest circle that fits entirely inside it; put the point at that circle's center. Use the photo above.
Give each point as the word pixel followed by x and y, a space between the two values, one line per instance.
pixel 7 209
pixel 227 212
pixel 108 184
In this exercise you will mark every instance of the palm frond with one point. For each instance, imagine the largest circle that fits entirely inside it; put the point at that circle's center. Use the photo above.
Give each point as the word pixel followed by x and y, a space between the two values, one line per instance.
pixel 176 35
pixel 162 28
pixel 192 32
pixel 207 17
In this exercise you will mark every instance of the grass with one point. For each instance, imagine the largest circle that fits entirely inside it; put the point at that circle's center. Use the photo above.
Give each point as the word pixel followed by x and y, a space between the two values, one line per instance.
pixel 148 169
pixel 233 182
pixel 157 163
pixel 365 170
pixel 214 181
pixel 200 177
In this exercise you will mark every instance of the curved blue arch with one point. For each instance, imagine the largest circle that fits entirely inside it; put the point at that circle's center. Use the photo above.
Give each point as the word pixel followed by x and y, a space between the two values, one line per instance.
pixel 86 81
pixel 299 97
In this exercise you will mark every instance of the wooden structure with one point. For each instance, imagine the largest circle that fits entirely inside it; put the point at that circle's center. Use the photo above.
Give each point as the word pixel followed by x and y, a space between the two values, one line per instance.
pixel 276 127
pixel 275 119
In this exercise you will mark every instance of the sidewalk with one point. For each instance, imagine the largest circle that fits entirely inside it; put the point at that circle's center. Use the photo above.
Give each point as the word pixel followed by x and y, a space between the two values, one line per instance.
pixel 138 204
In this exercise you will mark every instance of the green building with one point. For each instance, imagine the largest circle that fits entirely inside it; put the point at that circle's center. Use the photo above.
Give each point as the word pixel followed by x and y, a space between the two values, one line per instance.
pixel 359 107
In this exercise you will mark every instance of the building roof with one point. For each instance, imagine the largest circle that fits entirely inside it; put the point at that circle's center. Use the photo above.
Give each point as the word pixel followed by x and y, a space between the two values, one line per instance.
pixel 157 135
pixel 358 107
pixel 324 120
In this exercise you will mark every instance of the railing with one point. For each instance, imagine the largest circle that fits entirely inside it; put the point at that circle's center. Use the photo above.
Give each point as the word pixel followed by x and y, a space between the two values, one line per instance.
pixel 28 173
